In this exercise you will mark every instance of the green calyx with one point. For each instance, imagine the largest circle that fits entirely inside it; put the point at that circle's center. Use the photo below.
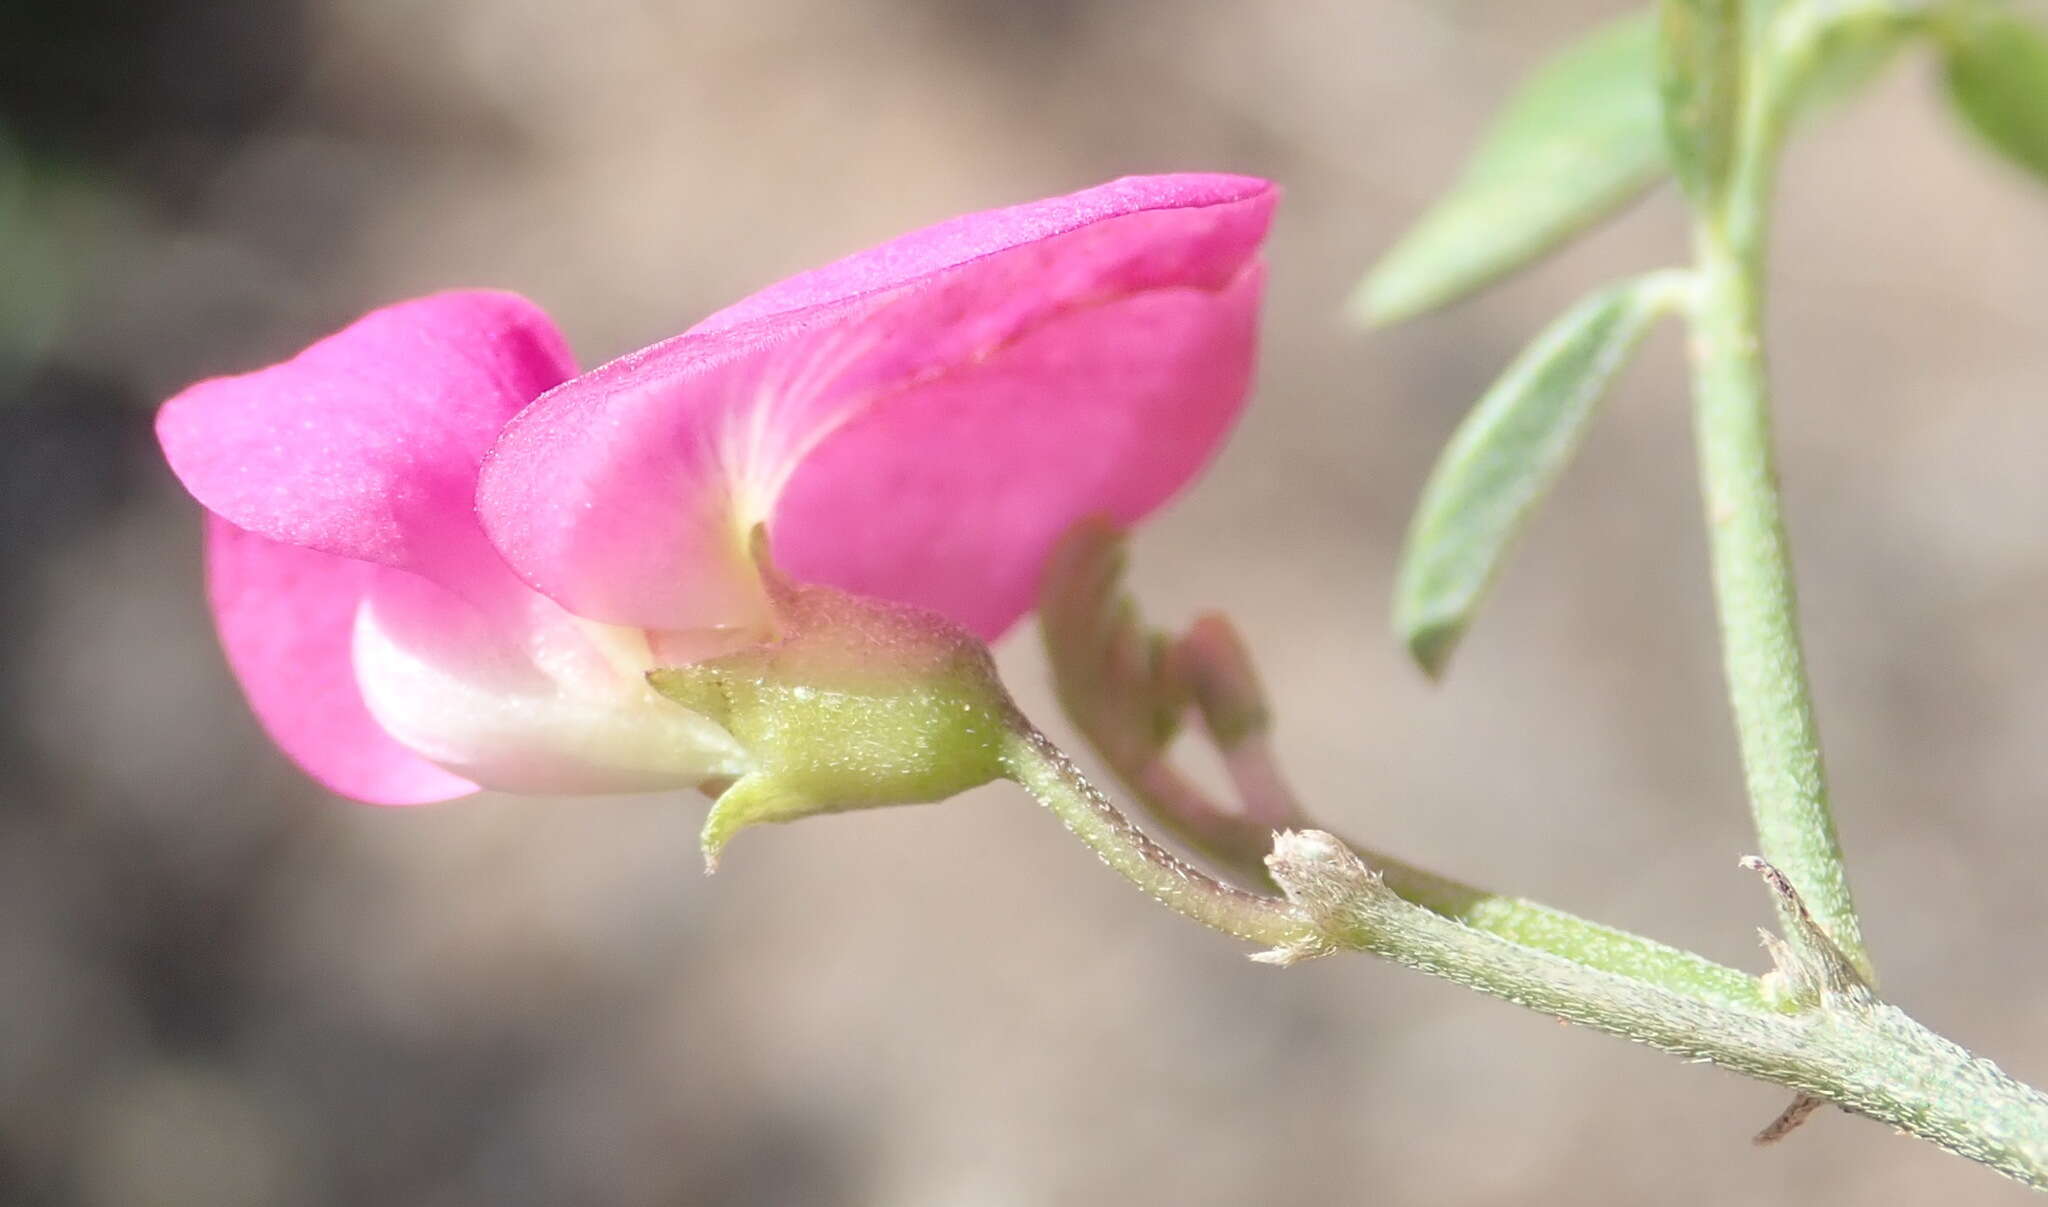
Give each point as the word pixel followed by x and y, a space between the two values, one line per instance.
pixel 855 704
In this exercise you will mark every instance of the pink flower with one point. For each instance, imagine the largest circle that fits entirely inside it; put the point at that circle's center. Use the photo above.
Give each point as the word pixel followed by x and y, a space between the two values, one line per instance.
pixel 440 560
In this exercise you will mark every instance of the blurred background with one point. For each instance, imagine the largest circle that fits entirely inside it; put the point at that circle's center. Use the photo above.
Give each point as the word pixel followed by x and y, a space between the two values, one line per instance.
pixel 220 987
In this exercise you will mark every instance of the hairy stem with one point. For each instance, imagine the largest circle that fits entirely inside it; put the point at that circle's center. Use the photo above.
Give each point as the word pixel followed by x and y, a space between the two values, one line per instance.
pixel 1754 597
pixel 1050 776
pixel 1239 845
pixel 1844 1046
pixel 1839 1043
pixel 1126 689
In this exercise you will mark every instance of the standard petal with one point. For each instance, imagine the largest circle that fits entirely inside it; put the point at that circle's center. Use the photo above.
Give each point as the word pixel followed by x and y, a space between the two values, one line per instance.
pixel 366 444
pixel 626 494
pixel 950 496
pixel 510 691
pixel 957 241
pixel 287 618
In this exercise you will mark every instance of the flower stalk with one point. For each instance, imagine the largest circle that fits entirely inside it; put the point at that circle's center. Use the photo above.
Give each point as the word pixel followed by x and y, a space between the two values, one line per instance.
pixel 1044 771
pixel 1127 702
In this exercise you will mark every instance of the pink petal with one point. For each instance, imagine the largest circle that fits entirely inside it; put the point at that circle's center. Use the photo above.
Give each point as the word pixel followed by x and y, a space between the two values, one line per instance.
pixel 378 637
pixel 973 236
pixel 951 496
pixel 366 444
pixel 616 498
pixel 287 618
pixel 505 688
pixel 385 703
pixel 626 493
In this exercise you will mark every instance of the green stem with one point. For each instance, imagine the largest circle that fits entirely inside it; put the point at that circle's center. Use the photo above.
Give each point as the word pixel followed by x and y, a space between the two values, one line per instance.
pixel 1049 775
pixel 1589 944
pixel 1239 845
pixel 1844 1046
pixel 1116 680
pixel 1752 562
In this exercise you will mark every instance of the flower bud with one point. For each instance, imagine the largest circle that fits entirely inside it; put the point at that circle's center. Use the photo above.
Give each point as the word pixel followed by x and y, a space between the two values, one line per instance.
pixel 1211 657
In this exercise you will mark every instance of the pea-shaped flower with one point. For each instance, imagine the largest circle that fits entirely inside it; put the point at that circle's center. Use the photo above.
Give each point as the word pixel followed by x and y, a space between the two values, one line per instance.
pixel 440 560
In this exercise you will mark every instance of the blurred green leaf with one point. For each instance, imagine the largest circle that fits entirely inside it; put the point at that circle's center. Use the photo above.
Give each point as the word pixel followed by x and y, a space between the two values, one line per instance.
pixel 1998 78
pixel 34 267
pixel 1826 54
pixel 1699 73
pixel 1579 139
pixel 1504 457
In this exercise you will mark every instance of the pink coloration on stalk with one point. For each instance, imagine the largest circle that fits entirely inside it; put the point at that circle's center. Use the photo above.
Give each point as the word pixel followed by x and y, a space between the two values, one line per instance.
pixel 440 560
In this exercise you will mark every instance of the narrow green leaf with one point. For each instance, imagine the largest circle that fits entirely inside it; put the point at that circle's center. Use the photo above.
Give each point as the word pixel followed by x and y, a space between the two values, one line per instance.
pixel 1998 79
pixel 1825 54
pixel 1506 454
pixel 1579 139
pixel 1699 73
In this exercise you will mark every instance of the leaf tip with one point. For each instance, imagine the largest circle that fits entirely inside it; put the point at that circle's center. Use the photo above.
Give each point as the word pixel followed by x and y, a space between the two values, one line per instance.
pixel 1395 291
pixel 1430 642
pixel 1366 308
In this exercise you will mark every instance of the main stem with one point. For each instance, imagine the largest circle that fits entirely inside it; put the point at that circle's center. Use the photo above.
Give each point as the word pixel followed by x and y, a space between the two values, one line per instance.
pixel 1846 1047
pixel 1240 845
pixel 1752 561
pixel 1850 1049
